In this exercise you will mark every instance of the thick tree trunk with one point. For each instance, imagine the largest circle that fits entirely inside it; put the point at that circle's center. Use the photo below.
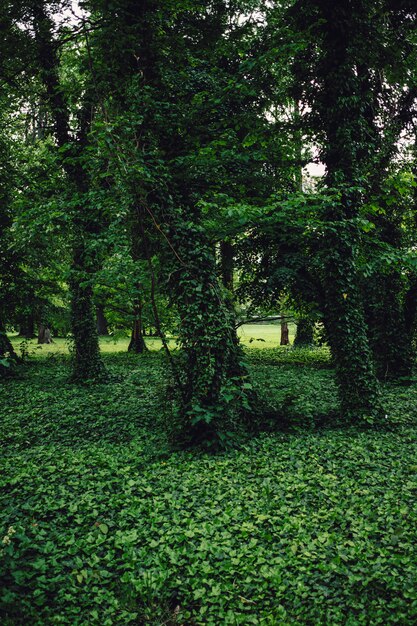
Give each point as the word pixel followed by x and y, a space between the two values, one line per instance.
pixel 209 393
pixel 342 102
pixel 304 335
pixel 27 327
pixel 41 333
pixel 346 330
pixel 102 327
pixel 213 373
pixel 389 337
pixel 44 334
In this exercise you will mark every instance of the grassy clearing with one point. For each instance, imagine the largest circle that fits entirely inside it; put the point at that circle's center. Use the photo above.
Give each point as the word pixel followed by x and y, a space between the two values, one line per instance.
pixel 253 335
pixel 291 528
pixel 264 335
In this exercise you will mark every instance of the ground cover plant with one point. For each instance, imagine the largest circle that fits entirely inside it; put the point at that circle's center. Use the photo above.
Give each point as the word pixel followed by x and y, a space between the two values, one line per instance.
pixel 102 523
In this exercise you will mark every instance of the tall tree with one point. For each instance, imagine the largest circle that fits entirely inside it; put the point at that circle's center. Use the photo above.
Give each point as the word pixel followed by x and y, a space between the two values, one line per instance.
pixel 148 104
pixel 72 145
pixel 335 78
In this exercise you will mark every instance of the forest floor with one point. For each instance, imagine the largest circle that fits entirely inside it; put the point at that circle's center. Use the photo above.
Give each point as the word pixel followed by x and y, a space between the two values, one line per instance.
pixel 103 524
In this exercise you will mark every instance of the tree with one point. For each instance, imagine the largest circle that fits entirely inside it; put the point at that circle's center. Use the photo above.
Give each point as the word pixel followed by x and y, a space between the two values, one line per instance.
pixel 72 146
pixel 147 106
pixel 335 76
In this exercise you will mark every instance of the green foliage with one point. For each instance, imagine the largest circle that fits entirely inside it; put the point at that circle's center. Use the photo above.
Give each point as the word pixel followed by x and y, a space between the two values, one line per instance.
pixel 212 385
pixel 139 141
pixel 100 523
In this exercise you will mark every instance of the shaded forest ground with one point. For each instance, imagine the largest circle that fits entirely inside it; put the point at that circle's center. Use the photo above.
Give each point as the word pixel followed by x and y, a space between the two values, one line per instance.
pixel 103 524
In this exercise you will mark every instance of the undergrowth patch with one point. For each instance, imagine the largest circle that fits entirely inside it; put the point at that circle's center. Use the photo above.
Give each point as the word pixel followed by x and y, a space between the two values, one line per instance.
pixel 101 523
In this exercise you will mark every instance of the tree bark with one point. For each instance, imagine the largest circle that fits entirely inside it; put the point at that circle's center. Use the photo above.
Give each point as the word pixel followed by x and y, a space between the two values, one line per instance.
pixel 305 332
pixel 340 101
pixel 41 333
pixel 44 334
pixel 227 264
pixel 102 327
pixel 285 340
pixel 137 343
pixel 27 327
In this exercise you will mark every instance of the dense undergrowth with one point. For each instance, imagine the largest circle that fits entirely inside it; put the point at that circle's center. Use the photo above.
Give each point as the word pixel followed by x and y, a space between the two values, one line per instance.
pixel 102 523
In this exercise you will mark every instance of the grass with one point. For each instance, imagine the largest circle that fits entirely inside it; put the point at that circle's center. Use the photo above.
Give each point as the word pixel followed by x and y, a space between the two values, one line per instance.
pixel 103 524
pixel 255 335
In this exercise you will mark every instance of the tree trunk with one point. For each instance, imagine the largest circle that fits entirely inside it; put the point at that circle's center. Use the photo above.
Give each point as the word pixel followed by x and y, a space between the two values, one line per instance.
pixel 6 347
pixel 208 394
pixel 27 327
pixel 87 361
pixel 41 333
pixel 137 343
pixel 213 373
pixel 305 332
pixel 102 327
pixel 44 334
pixel 346 331
pixel 285 340
pixel 389 337
pixel 341 100
pixel 227 263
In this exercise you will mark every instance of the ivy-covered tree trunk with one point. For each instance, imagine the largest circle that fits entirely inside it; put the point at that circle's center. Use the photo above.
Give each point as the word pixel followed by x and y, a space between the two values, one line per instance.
pixel 210 382
pixel 346 331
pixel 390 340
pixel 214 389
pixel 341 99
pixel 304 335
pixel 87 362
